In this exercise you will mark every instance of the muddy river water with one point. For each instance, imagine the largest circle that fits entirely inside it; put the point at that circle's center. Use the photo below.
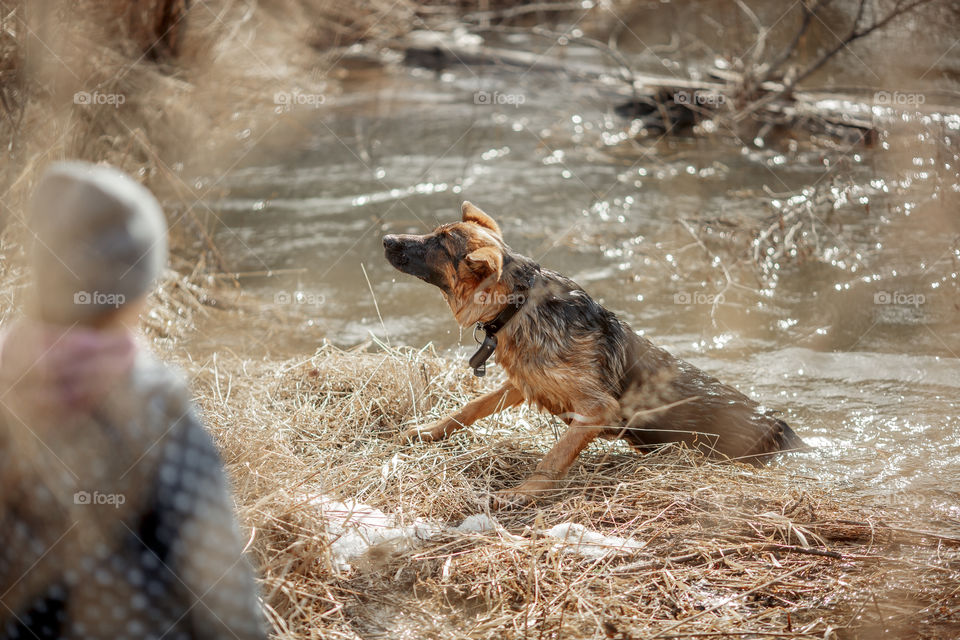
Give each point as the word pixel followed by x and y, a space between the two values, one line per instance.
pixel 857 343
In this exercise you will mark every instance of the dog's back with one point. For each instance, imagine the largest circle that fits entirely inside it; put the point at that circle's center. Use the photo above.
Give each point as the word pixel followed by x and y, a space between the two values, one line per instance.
pixel 565 346
pixel 668 400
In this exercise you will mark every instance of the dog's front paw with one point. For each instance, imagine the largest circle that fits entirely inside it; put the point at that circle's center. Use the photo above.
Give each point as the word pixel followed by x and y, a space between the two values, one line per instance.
pixel 533 489
pixel 422 434
pixel 506 499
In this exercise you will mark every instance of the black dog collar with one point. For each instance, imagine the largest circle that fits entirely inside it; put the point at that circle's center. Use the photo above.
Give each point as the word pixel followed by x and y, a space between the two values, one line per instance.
pixel 478 362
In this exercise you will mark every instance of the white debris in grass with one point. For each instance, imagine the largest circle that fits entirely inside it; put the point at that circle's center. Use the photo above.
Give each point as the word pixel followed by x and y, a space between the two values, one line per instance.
pixel 478 523
pixel 354 528
pixel 576 538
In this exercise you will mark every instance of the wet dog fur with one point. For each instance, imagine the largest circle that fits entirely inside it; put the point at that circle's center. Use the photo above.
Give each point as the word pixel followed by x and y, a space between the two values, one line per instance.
pixel 566 354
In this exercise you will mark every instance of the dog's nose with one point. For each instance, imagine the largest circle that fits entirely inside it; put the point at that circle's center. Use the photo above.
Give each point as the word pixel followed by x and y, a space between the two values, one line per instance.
pixel 391 242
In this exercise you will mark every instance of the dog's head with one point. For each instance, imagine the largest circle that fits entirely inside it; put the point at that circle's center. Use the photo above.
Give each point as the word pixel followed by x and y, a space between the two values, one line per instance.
pixel 464 259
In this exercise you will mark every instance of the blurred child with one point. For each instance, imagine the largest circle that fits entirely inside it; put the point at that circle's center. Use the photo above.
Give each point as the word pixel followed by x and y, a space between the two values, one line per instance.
pixel 115 516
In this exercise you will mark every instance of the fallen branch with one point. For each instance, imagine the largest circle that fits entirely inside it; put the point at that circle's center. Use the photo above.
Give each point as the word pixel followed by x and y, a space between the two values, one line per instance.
pixel 727 601
pixel 760 547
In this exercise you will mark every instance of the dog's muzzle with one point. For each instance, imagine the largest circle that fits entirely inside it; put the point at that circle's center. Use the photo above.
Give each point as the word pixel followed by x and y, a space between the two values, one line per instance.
pixel 393 249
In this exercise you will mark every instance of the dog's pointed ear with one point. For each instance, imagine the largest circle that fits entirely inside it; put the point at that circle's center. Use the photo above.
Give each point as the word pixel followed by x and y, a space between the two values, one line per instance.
pixel 475 215
pixel 486 262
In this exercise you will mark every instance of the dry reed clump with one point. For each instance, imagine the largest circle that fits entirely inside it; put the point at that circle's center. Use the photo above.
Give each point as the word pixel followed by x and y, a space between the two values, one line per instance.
pixel 697 549
pixel 174 93
pixel 163 89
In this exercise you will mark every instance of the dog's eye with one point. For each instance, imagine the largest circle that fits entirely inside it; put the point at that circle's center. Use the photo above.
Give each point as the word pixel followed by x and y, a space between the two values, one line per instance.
pixel 444 244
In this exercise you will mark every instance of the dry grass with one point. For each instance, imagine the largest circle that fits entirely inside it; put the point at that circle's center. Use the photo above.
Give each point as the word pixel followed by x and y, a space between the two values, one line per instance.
pixel 724 550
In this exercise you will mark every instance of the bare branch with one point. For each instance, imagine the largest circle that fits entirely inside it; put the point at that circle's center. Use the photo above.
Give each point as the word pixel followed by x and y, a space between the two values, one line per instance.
pixel 761 30
pixel 522 10
pixel 808 9
pixel 855 33
pixel 902 7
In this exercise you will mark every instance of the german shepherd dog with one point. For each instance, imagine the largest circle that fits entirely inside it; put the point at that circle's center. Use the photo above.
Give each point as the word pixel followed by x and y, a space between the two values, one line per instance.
pixel 568 355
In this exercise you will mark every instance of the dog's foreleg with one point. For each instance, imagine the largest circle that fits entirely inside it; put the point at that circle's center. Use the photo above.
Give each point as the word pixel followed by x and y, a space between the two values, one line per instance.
pixel 563 454
pixel 582 431
pixel 503 398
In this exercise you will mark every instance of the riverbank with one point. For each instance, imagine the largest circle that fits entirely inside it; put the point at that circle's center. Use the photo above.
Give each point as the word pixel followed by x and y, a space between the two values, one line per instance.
pixel 358 536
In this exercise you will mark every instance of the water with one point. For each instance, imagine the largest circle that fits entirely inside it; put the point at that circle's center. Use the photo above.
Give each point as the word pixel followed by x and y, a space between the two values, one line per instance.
pixel 857 343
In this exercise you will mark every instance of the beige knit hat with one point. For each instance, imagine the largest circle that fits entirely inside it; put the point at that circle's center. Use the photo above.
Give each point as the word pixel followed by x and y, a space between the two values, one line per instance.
pixel 100 241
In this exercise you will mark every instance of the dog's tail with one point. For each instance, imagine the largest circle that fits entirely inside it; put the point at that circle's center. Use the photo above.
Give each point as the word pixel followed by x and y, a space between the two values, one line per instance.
pixel 788 440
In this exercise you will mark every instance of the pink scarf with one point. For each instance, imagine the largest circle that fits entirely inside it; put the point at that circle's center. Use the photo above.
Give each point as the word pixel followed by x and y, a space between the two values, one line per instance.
pixel 47 370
